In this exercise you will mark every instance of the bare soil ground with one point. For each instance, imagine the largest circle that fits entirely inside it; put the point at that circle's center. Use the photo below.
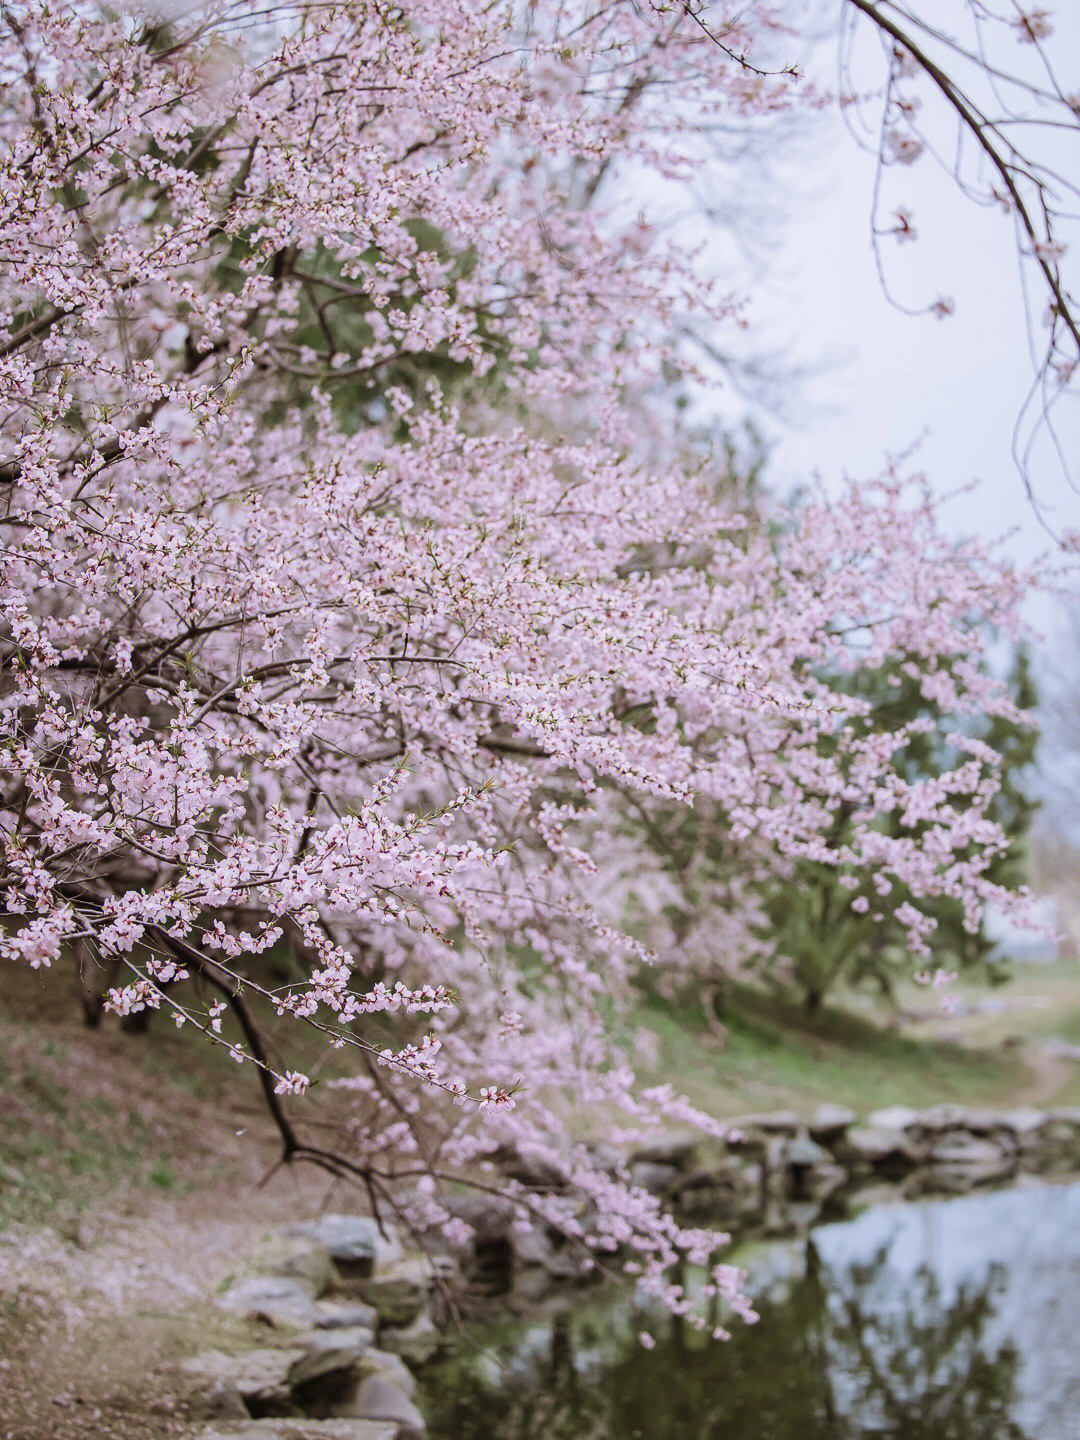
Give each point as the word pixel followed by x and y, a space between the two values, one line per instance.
pixel 131 1186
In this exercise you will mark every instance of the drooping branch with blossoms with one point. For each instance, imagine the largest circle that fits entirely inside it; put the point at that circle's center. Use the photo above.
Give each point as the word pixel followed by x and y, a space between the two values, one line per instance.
pixel 344 606
pixel 1005 124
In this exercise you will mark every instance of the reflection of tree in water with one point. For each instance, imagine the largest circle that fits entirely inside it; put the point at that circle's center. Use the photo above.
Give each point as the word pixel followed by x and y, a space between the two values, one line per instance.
pixel 921 1372
pixel 842 1354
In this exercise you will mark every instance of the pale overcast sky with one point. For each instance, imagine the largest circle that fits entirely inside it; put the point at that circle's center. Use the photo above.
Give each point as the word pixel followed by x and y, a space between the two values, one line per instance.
pixel 884 379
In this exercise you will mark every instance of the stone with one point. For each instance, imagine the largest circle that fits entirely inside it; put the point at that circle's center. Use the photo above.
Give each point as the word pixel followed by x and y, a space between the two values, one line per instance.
pixel 215 1398
pixel 416 1343
pixel 962 1148
pixel 1061 1133
pixel 1027 1125
pixel 878 1147
pixel 324 1380
pixel 343 1386
pixel 979 1160
pixel 940 1119
pixel 1022 1127
pixel 379 1398
pixel 824 1180
pixel 260 1377
pixel 808 1169
pixel 311 1264
pixel 777 1221
pixel 718 1192
pixel 570 1262
pixel 533 1285
pixel 707 1195
pixel 605 1156
pixel 490 1216
pixel 487 1256
pixel 896 1117
pixel 277 1299
pixel 802 1153
pixel 400 1292
pixel 355 1243
pixel 657 1179
pixel 354 1338
pixel 992 1125
pixel 802 1214
pixel 532 1247
pixel 753 1179
pixel 772 1122
pixel 304 1429
pixel 536 1172
pixel 830 1123
pixel 381 1362
pixel 985 1122
pixel 316 1365
pixel 678 1148
pixel 345 1315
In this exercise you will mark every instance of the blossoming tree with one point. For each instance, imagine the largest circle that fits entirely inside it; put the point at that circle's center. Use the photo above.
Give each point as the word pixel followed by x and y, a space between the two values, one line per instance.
pixel 307 643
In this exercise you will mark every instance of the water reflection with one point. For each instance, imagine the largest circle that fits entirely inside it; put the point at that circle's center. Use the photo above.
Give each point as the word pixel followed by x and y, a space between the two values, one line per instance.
pixel 926 1371
pixel 916 1323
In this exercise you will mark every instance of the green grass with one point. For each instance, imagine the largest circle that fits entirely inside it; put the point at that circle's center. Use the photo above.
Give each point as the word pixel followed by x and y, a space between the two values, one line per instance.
pixel 162 1174
pixel 773 1057
pixel 49 1176
pixel 44 1174
pixel 67 1141
pixel 998 1045
pixel 1035 1002
pixel 61 1149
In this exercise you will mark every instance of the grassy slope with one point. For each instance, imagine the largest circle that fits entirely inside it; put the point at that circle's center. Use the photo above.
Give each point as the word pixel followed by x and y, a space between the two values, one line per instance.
pixel 996 1048
pixel 89 1113
pixel 94 1113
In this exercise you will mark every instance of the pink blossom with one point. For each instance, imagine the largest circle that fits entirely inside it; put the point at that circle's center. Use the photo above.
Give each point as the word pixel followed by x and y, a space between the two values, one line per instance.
pixel 1050 251
pixel 902 147
pixel 903 229
pixel 1033 25
pixel 317 670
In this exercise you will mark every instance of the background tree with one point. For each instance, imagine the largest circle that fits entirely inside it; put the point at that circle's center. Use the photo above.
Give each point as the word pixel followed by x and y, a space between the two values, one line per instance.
pixel 1055 842
pixel 812 922
pixel 823 927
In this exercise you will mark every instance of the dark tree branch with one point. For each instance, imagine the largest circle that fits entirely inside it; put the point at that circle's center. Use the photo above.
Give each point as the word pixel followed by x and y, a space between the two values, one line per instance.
pixel 978 127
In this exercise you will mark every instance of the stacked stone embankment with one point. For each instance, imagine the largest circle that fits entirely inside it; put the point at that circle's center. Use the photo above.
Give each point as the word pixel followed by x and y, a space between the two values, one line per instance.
pixel 346 1312
pixel 342 1307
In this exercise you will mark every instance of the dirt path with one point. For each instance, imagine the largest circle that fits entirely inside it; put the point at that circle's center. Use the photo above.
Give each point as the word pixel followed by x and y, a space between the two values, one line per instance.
pixel 1048 1074
pixel 94 1322
pixel 127 1194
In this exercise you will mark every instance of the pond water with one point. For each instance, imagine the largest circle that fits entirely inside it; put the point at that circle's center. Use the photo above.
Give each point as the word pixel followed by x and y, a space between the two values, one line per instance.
pixel 943 1320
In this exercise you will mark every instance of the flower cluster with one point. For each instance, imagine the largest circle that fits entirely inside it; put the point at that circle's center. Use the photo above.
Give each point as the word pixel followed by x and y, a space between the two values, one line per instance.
pixel 344 607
